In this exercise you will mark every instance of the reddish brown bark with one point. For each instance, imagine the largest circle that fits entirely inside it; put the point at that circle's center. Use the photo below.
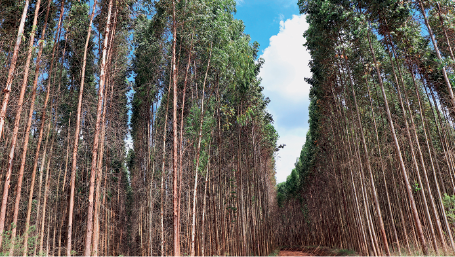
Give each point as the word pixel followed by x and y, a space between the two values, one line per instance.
pixel 96 229
pixel 438 53
pixel 76 136
pixel 88 238
pixel 16 126
pixel 370 172
pixel 415 214
pixel 198 151
pixel 174 161
pixel 14 139
pixel 12 68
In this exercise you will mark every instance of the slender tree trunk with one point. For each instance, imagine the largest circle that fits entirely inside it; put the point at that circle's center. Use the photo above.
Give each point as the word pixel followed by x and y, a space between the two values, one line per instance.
pixel 40 183
pixel 413 154
pixel 445 31
pixel 383 171
pixel 432 201
pixel 67 153
pixel 14 139
pixel 58 201
pixel 162 169
pixel 151 198
pixel 9 80
pixel 181 135
pixel 373 186
pixel 97 213
pixel 415 214
pixel 16 126
pixel 76 137
pixel 193 226
pixel 27 132
pixel 175 156
pixel 46 189
pixel 96 229
pixel 438 53
pixel 204 205
pixel 101 100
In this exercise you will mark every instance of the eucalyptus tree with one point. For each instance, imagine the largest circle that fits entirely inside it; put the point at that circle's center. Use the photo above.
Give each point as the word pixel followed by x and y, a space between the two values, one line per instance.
pixel 12 67
pixel 195 76
pixel 378 51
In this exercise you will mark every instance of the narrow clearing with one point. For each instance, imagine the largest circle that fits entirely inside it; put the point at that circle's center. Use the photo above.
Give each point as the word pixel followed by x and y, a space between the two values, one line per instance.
pixel 294 253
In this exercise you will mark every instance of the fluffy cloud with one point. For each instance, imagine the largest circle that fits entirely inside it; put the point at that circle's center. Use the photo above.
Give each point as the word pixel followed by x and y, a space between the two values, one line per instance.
pixel 283 74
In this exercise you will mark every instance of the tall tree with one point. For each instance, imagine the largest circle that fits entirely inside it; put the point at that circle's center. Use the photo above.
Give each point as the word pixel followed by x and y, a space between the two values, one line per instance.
pixel 12 68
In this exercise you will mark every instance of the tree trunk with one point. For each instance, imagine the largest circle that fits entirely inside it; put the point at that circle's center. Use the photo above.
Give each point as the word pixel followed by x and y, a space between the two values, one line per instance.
pixel 16 126
pixel 415 214
pixel 89 231
pixel 46 189
pixel 373 186
pixel 445 31
pixel 162 170
pixel 43 117
pixel 438 53
pixel 181 136
pixel 15 135
pixel 76 136
pixel 9 80
pixel 204 205
pixel 40 183
pixel 383 171
pixel 175 156
pixel 193 226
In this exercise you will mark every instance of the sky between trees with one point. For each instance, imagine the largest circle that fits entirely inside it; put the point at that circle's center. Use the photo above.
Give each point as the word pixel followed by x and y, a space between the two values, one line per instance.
pixel 278 27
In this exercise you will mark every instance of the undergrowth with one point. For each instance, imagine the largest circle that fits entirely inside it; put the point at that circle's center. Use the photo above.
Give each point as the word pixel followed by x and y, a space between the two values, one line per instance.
pixel 275 252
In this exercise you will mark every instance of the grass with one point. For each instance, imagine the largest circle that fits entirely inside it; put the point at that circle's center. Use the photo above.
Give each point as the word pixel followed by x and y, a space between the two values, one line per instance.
pixel 275 252
pixel 317 250
pixel 417 251
pixel 420 254
pixel 345 252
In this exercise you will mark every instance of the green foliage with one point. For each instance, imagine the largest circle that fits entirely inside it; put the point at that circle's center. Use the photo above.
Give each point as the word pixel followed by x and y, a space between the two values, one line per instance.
pixel 339 38
pixel 222 77
pixel 78 21
pixel 449 205
pixel 416 187
pixel 296 180
pixel 275 252
pixel 345 252
pixel 18 242
pixel 130 159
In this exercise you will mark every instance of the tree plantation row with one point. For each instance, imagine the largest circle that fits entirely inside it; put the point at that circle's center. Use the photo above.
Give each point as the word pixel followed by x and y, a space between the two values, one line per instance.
pixel 140 128
pixel 376 173
pixel 133 128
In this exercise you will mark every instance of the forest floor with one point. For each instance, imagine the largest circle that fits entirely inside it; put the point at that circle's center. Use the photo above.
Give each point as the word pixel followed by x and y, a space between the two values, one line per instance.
pixel 294 254
pixel 314 251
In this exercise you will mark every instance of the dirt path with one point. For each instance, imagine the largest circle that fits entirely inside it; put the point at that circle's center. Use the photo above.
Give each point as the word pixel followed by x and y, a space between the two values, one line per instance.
pixel 294 253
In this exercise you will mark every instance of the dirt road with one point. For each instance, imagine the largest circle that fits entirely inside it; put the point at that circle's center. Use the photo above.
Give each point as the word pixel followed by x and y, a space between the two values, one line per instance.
pixel 294 254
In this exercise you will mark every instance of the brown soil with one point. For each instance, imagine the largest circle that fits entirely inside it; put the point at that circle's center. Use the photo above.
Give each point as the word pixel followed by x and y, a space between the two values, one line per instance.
pixel 294 253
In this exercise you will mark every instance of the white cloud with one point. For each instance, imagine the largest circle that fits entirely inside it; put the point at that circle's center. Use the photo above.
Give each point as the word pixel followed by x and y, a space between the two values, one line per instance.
pixel 287 59
pixel 283 74
pixel 239 2
pixel 294 140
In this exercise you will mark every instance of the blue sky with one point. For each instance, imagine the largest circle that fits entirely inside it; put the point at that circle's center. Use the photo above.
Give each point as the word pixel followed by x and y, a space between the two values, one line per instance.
pixel 262 17
pixel 278 27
